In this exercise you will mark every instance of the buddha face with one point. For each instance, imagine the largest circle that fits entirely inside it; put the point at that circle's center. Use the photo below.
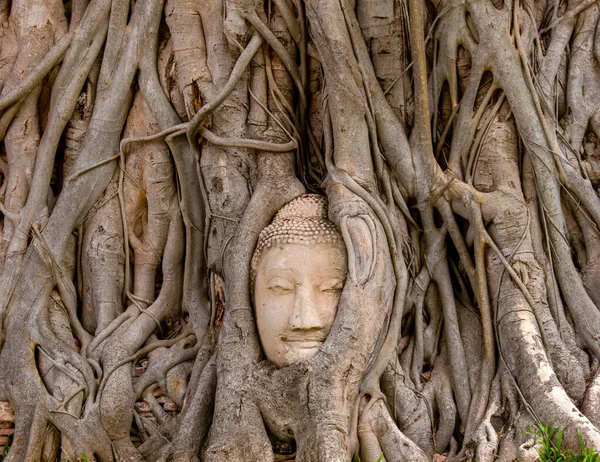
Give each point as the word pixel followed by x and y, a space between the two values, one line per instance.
pixel 296 294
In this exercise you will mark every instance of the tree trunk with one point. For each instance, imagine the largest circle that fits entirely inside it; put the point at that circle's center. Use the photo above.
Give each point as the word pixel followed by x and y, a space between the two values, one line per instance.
pixel 145 145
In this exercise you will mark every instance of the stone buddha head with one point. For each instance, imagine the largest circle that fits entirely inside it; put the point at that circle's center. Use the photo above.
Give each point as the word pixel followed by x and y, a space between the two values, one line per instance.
pixel 298 271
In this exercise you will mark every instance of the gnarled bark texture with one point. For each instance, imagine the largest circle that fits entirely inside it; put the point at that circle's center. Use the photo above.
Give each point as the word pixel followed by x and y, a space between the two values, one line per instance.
pixel 143 147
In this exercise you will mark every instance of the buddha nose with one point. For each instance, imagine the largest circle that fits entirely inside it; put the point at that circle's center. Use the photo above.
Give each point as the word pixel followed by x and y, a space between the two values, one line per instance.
pixel 305 314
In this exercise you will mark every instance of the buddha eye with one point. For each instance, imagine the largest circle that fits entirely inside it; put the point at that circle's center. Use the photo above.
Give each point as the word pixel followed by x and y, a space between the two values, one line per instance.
pixel 332 286
pixel 280 286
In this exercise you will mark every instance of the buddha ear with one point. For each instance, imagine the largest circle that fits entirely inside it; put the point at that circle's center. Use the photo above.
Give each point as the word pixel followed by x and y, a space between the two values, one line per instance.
pixel 361 241
pixel 353 217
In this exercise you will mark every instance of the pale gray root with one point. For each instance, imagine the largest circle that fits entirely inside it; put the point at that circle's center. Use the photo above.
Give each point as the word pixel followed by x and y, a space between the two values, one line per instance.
pixel 395 446
pixel 165 368
pixel 102 262
pixel 439 392
pixel 410 409
pixel 195 419
pixel 591 402
pixel 486 435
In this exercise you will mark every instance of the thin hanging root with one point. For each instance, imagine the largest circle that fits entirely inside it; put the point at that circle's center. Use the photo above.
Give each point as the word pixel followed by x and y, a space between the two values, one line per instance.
pixel 92 167
pixel 66 401
pixel 66 290
pixel 108 330
pixel 157 372
pixel 236 74
pixel 514 276
pixel 417 359
pixel 173 131
pixel 247 143
pixel 291 22
pixel 66 357
pixel 570 14
pixel 48 337
pixel 442 140
pixel 277 95
pixel 144 351
pixel 457 238
pixel 65 370
pixel 401 204
pixel 26 86
pixel 120 194
pixel 7 118
pixel 266 109
pixel 488 366
pixel 477 144
pixel 283 54
pixel 180 129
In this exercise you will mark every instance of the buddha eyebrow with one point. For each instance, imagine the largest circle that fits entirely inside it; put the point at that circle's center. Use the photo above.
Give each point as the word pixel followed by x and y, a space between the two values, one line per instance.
pixel 280 269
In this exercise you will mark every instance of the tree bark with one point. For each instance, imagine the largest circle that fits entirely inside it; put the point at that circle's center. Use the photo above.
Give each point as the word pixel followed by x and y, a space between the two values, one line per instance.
pixel 145 145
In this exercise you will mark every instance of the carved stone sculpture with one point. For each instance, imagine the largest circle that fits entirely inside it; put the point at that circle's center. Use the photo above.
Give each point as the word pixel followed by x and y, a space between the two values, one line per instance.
pixel 298 272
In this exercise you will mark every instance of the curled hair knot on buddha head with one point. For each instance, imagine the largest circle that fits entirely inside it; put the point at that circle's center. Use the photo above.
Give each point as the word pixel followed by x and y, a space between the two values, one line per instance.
pixel 302 221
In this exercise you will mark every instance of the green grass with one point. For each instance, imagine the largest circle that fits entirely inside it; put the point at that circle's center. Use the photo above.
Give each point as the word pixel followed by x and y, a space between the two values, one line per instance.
pixel 379 459
pixel 82 458
pixel 5 449
pixel 551 439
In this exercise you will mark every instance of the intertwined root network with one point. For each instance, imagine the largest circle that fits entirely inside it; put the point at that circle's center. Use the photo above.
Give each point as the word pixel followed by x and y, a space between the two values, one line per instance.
pixel 145 145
